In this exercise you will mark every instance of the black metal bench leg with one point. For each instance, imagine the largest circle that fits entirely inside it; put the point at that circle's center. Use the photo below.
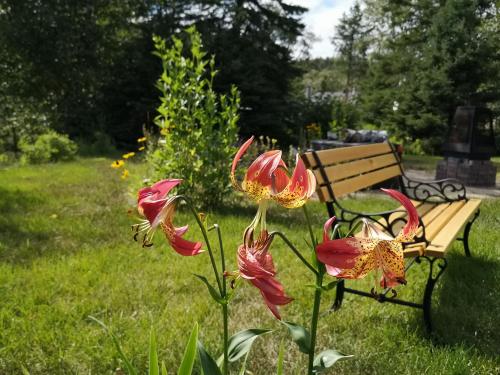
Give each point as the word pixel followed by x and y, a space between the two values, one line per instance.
pixel 339 296
pixel 465 238
pixel 429 287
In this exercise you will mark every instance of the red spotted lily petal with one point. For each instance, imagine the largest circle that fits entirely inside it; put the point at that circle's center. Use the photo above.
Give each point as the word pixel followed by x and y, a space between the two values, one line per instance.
pixel 157 191
pixel 391 260
pixel 410 229
pixel 151 210
pixel 236 159
pixel 273 293
pixel 159 210
pixel 255 264
pixel 179 244
pixel 259 177
pixel 344 254
pixel 299 189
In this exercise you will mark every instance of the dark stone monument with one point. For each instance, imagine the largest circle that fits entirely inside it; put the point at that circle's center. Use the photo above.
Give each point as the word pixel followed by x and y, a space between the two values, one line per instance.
pixel 469 147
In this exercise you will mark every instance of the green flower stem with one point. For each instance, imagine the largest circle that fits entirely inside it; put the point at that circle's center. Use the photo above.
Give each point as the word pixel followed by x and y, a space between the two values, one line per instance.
pixel 225 314
pixel 296 252
pixel 311 233
pixel 314 320
pixel 205 236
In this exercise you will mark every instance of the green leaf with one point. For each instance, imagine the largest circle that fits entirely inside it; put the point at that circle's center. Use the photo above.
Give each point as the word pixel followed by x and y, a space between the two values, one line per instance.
pixel 163 368
pixel 208 364
pixel 24 371
pixel 153 354
pixel 215 295
pixel 241 343
pixel 330 285
pixel 244 365
pixel 327 359
pixel 281 357
pixel 130 369
pixel 300 335
pixel 187 363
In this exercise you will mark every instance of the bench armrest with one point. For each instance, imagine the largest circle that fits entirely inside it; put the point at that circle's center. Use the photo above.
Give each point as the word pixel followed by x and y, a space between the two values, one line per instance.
pixel 446 190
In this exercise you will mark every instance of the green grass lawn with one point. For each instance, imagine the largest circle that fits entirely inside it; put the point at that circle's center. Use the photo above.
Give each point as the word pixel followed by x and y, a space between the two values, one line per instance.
pixel 66 252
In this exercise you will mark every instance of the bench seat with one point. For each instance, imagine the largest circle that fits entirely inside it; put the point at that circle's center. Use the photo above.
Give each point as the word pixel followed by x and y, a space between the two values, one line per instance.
pixel 442 221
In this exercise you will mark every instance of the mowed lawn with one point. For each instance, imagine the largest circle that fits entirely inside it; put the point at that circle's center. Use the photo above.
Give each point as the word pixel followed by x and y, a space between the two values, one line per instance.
pixel 67 253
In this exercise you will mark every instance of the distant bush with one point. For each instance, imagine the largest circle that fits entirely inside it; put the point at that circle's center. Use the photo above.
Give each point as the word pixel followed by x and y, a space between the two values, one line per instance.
pixel 100 144
pixel 49 147
pixel 197 125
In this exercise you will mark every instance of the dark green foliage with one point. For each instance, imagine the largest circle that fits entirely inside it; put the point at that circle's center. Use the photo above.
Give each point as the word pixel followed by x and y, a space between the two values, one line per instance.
pixel 89 63
pixel 430 58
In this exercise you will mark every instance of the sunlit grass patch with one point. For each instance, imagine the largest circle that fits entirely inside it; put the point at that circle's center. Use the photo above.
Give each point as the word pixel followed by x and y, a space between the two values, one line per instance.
pixel 66 252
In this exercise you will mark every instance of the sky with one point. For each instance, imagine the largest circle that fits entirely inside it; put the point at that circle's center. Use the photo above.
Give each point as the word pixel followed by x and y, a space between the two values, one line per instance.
pixel 321 19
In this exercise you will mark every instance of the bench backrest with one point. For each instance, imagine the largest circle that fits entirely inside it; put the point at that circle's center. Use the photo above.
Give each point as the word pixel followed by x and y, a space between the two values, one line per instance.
pixel 344 170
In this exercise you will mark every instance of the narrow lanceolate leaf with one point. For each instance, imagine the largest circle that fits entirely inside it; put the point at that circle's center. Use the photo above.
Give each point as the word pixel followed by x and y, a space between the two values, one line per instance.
pixel 241 343
pixel 300 336
pixel 187 363
pixel 208 365
pixel 130 369
pixel 163 368
pixel 154 368
pixel 215 295
pixel 281 357
pixel 327 359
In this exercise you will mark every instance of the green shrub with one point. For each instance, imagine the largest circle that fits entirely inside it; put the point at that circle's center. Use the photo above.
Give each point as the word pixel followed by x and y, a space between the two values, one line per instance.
pixel 198 130
pixel 49 147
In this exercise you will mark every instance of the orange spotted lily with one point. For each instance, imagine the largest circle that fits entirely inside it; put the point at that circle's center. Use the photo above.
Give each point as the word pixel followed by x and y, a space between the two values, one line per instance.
pixel 158 210
pixel 355 257
pixel 267 178
pixel 255 264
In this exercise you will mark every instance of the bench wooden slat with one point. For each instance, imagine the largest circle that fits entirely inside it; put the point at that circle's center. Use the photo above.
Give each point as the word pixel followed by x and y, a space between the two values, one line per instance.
pixel 339 155
pixel 422 210
pixel 365 180
pixel 449 232
pixel 442 219
pixel 353 168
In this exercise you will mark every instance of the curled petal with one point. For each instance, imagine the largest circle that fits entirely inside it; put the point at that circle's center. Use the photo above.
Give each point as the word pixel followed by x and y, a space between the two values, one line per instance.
pixel 179 244
pixel 410 229
pixel 391 261
pixel 299 189
pixel 273 293
pixel 253 266
pixel 236 159
pixel 327 227
pixel 157 191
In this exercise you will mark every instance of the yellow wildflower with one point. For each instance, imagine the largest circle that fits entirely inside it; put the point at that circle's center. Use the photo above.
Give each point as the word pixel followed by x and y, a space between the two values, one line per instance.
pixel 141 148
pixel 117 164
pixel 141 140
pixel 129 155
pixel 124 174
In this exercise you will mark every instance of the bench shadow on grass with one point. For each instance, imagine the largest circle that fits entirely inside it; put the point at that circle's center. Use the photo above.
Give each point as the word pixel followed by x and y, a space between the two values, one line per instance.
pixel 467 306
pixel 18 244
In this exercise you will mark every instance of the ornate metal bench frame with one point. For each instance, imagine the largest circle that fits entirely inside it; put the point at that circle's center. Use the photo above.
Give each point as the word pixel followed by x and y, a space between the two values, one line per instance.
pixel 440 191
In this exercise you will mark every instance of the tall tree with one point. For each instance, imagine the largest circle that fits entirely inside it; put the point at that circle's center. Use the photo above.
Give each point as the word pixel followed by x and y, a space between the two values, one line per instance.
pixel 352 41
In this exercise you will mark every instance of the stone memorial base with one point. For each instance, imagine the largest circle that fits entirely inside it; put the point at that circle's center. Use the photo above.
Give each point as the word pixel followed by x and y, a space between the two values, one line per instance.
pixel 469 172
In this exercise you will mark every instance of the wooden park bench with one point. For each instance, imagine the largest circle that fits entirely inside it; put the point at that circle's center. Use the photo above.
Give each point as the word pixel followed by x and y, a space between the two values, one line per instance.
pixel 443 207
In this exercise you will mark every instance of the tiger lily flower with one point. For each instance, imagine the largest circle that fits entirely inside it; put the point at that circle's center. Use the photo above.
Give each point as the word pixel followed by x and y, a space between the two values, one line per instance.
pixel 158 210
pixel 267 178
pixel 255 264
pixel 355 257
